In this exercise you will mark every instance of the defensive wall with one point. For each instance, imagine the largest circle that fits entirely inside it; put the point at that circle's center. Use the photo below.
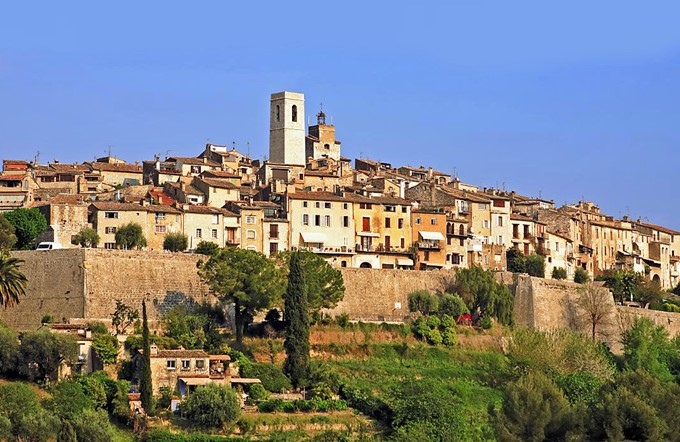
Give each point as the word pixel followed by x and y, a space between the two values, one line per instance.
pixel 84 284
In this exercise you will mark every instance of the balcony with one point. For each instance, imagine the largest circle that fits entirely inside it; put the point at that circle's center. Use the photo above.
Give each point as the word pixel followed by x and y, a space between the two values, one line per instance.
pixel 434 245
pixel 232 242
pixel 328 250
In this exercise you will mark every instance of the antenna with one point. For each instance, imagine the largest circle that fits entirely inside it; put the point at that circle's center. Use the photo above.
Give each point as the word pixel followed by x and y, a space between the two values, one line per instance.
pixel 248 144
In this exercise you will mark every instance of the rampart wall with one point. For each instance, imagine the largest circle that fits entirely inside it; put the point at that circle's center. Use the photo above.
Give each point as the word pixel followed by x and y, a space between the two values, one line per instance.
pixel 77 284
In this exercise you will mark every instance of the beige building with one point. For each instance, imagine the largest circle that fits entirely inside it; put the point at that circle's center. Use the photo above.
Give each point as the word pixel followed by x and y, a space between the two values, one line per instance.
pixel 217 191
pixel 160 220
pixel 287 128
pixel 559 253
pixel 429 238
pixel 321 142
pixel 117 173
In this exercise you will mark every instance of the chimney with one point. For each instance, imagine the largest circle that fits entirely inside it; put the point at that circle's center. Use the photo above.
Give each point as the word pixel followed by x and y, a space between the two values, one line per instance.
pixel 153 350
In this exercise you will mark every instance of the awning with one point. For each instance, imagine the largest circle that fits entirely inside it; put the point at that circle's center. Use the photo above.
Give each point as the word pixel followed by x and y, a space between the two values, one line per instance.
pixel 371 234
pixel 404 261
pixel 434 264
pixel 245 381
pixel 434 236
pixel 196 381
pixel 314 237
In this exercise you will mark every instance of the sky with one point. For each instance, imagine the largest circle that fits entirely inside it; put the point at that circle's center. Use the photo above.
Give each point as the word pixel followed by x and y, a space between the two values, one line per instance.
pixel 563 100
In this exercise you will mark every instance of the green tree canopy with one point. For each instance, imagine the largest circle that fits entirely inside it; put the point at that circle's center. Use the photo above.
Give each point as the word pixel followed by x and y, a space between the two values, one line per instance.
pixel 296 344
pixel 106 347
pixel 515 260
pixel 123 316
pixel 175 242
pixel 212 406
pixel 480 290
pixel 130 236
pixel 422 301
pixel 42 352
pixel 323 284
pixel 87 237
pixel 243 277
pixel 28 224
pixel 535 265
pixel 7 236
pixel 207 248
pixel 559 273
pixel 581 276
pixel 12 281
pixel 9 349
pixel 145 385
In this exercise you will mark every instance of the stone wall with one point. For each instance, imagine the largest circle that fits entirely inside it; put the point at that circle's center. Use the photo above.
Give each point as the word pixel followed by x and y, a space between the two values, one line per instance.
pixel 382 295
pixel 54 288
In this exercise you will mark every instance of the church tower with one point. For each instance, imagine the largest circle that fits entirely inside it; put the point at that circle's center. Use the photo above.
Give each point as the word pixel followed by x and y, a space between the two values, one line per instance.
pixel 287 128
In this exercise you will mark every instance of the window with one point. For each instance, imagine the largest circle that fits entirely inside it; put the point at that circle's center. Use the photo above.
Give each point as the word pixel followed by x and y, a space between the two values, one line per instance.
pixel 170 364
pixel 417 220
pixel 200 364
pixel 557 246
pixel 294 114
pixel 482 206
pixel 273 230
pixel 345 221
pixel 461 230
pixel 199 233
pixel 186 364
pixel 317 220
pixel 304 204
pixel 213 233
pixel 344 206
pixel 390 209
pixel 485 224
pixel 326 146
pixel 278 113
pixel 110 214
pixel 366 224
pixel 110 245
pixel 500 221
pixel 216 219
pixel 195 169
pixel 500 239
pixel 160 229
pixel 273 248
pixel 305 219
pixel 388 223
pixel 433 221
pixel 250 234
pixel 111 230
pixel 327 205
pixel 367 206
pixel 498 203
pixel 250 219
pixel 400 223
pixel 402 243
pixel 160 217
pixel 404 209
pixel 326 221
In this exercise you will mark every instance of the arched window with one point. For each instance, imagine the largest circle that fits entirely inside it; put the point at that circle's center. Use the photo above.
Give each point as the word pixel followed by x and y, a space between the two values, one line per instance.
pixel 461 230
pixel 294 113
pixel 327 146
pixel 278 113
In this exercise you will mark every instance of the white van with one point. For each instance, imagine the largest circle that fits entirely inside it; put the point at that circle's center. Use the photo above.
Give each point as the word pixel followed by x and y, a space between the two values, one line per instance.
pixel 48 246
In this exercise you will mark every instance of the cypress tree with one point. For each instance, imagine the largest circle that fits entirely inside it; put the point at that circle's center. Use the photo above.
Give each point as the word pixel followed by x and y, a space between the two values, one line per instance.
pixel 145 387
pixel 297 333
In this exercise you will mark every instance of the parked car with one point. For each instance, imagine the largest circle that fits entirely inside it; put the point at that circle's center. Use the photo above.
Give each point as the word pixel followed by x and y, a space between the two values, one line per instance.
pixel 48 246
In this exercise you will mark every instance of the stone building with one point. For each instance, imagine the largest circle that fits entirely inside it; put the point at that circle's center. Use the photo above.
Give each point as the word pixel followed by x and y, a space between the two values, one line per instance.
pixel 321 142
pixel 287 128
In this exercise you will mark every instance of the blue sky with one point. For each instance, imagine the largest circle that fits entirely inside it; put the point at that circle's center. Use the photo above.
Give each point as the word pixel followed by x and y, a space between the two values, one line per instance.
pixel 571 100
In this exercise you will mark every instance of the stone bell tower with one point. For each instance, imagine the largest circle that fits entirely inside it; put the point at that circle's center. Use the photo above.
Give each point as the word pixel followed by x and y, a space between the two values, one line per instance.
pixel 287 128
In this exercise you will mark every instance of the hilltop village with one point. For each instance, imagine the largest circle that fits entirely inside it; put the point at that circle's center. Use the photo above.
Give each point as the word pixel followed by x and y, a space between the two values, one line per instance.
pixel 306 195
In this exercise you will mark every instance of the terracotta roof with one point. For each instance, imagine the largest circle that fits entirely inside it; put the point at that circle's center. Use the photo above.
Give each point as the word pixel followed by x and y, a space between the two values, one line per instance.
pixel 160 208
pixel 118 207
pixel 518 217
pixel 115 167
pixel 560 235
pixel 320 196
pixel 321 173
pixel 10 177
pixel 194 161
pixel 220 174
pixel 16 162
pixel 659 228
pixel 181 354
pixel 64 198
pixel 65 168
pixel 196 208
pixel 219 183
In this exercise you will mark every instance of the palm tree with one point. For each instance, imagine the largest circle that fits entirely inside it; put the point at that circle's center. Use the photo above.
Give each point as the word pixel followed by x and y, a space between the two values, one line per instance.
pixel 12 281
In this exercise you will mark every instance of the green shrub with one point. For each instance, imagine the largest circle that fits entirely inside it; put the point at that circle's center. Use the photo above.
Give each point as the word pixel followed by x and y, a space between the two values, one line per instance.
pixel 270 405
pixel 447 321
pixel 211 406
pixel 433 322
pixel 434 337
pixel 175 242
pixel 452 305
pixel 581 276
pixel 535 265
pixel 668 307
pixel 420 328
pixel 559 273
pixel 342 320
pixel 422 301
pixel 272 377
pixel 449 336
pixel 486 322
pixel 580 387
pixel 257 393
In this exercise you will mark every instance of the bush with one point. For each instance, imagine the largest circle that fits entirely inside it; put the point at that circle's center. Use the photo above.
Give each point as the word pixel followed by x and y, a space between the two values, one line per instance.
pixel 106 347
pixel 559 273
pixel 270 405
pixel 535 409
pixel 447 321
pixel 515 260
pixel 434 337
pixel 87 237
pixel 581 276
pixel 535 265
pixel 212 406
pixel 342 320
pixel 271 376
pixel 175 242
pixel 480 290
pixel 420 328
pixel 452 305
pixel 257 393
pixel 9 349
pixel 580 387
pixel 486 322
pixel 422 301
pixel 207 248
pixel 92 426
pixel 433 322
pixel 449 337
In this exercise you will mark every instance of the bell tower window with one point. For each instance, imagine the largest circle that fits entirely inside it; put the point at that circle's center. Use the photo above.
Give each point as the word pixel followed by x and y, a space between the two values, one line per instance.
pixel 294 113
pixel 278 113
